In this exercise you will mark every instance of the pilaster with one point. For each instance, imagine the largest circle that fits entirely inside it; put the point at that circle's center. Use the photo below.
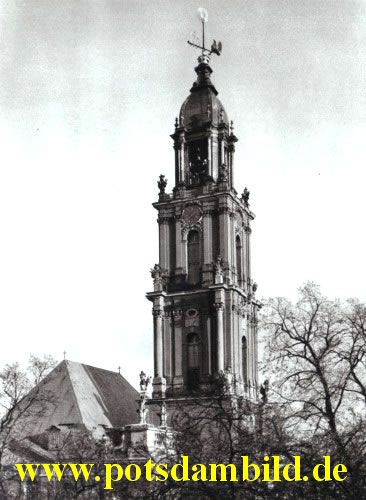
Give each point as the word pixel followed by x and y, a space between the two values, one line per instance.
pixel 219 306
pixel 159 382
pixel 207 247
pixel 178 348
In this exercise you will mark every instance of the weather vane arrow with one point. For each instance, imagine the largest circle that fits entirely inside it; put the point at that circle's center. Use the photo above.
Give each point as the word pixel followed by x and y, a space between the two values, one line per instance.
pixel 216 47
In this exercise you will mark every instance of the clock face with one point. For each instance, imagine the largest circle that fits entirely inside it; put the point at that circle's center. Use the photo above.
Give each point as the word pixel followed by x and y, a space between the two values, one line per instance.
pixel 192 214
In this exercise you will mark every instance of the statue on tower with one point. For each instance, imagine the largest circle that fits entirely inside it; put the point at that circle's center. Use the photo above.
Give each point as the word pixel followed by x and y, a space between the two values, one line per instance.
pixel 218 268
pixel 264 391
pixel 223 173
pixel 245 196
pixel 144 382
pixel 162 183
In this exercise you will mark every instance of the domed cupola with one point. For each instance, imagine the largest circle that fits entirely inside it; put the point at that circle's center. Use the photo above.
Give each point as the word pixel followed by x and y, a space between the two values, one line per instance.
pixel 203 138
pixel 202 106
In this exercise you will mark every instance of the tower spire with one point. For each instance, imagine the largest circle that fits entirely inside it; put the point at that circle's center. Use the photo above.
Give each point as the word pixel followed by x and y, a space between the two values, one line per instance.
pixel 216 47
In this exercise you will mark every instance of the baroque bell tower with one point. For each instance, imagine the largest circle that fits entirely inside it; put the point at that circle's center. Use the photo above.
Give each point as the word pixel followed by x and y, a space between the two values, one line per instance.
pixel 204 305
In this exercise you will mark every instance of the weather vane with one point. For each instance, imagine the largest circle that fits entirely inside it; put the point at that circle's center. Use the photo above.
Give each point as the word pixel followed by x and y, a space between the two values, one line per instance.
pixel 216 47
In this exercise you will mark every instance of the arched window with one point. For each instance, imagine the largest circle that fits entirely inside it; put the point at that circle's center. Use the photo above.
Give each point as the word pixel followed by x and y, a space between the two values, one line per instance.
pixel 244 360
pixel 238 260
pixel 193 361
pixel 193 257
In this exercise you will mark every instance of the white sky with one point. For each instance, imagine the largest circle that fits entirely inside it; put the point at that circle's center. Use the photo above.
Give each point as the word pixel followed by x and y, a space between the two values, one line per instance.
pixel 89 90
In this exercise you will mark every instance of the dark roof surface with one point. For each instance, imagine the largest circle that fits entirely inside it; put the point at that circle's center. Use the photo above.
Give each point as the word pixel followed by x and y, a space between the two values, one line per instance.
pixel 78 395
pixel 202 106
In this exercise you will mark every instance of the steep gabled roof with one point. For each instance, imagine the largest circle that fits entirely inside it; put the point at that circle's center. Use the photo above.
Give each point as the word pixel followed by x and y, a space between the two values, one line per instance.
pixel 78 395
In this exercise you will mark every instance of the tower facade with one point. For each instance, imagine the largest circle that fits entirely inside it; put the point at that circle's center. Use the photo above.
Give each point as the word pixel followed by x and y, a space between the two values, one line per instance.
pixel 204 305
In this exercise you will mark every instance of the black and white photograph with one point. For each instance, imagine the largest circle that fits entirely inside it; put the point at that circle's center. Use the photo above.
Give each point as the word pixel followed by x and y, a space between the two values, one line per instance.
pixel 182 249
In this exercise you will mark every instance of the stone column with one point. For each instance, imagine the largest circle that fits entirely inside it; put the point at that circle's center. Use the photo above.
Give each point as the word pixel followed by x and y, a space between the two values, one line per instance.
pixel 164 243
pixel 225 239
pixel 209 156
pixel 233 243
pixel 207 247
pixel 158 343
pixel 168 347
pixel 255 346
pixel 209 345
pixel 221 149
pixel 243 259
pixel 247 235
pixel 177 160
pixel 179 264
pixel 181 159
pixel 219 306
pixel 178 346
pixel 159 383
pixel 231 149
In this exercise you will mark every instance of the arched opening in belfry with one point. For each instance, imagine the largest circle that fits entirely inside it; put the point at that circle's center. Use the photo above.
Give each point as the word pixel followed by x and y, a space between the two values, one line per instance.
pixel 193 361
pixel 193 257
pixel 244 359
pixel 238 248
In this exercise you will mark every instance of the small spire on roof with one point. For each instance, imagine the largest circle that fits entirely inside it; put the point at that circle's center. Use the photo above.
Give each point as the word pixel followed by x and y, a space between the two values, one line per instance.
pixel 64 353
pixel 119 370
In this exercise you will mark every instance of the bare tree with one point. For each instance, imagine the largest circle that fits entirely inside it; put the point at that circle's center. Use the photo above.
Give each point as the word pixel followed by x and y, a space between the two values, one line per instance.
pixel 19 395
pixel 315 357
pixel 355 355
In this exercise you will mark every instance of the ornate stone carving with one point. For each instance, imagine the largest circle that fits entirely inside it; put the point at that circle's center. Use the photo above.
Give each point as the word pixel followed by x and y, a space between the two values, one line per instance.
pixel 163 220
pixel 157 276
pixel 192 214
pixel 238 223
pixel 142 411
pixel 208 211
pixel 218 268
pixel 162 183
pixel 227 379
pixel 192 318
pixel 177 313
pixel 245 196
pixel 264 391
pixel 156 271
pixel 243 308
pixel 157 313
pixel 144 381
pixel 223 173
pixel 163 415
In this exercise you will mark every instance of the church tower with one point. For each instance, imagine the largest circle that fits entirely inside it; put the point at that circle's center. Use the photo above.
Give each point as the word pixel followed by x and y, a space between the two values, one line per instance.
pixel 204 306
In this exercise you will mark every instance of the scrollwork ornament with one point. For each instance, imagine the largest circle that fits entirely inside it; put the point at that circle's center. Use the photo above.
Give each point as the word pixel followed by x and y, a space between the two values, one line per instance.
pixel 192 215
pixel 157 313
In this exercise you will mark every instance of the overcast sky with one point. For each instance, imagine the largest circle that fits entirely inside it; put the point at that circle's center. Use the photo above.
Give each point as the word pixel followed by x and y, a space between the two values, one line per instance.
pixel 89 90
